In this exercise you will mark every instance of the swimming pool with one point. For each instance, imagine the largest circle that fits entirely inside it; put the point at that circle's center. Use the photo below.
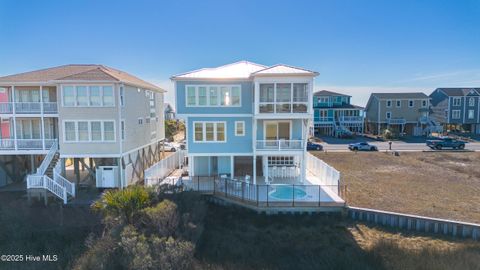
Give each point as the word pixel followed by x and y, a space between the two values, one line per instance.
pixel 287 193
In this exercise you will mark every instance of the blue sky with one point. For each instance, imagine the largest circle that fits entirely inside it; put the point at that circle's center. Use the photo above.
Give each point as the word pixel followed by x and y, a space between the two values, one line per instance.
pixel 357 46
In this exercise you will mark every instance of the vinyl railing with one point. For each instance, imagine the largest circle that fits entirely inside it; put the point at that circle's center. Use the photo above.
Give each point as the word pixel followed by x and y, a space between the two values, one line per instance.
pixel 164 167
pixel 43 181
pixel 283 107
pixel 6 107
pixel 279 145
pixel 323 119
pixel 323 173
pixel 69 186
pixel 48 158
pixel 26 144
pixel 351 119
pixel 28 107
pixel 396 121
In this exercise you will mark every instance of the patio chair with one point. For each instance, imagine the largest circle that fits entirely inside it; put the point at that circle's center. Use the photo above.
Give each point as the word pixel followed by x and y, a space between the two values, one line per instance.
pixel 247 179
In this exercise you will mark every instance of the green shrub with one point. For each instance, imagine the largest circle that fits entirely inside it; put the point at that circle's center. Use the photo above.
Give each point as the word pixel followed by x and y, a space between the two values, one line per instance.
pixel 123 204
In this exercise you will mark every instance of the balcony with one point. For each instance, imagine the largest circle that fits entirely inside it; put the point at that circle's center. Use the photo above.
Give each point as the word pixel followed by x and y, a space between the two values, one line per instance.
pixel 26 144
pixel 328 120
pixel 283 107
pixel 396 121
pixel 28 107
pixel 351 119
pixel 279 145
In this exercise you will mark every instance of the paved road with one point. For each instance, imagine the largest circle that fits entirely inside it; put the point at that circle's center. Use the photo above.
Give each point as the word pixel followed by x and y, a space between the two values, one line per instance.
pixel 398 146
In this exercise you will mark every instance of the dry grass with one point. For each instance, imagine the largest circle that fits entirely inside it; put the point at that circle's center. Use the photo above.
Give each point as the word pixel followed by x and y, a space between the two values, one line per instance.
pixel 398 251
pixel 435 184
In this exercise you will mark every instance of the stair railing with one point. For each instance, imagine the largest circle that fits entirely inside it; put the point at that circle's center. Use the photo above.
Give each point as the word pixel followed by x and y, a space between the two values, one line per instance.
pixel 69 186
pixel 48 158
pixel 55 188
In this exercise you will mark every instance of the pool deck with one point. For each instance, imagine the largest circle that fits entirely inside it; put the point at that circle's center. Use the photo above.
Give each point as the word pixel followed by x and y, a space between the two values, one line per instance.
pixel 306 196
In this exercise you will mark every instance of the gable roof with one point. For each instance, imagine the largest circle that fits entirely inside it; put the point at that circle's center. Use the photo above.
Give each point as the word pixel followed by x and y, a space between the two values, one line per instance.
pixel 237 70
pixel 242 70
pixel 282 69
pixel 399 95
pixel 79 73
pixel 329 93
pixel 458 91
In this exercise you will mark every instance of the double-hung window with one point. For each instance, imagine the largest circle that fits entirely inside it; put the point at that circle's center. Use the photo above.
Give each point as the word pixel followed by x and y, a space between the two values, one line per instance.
pixel 82 96
pixel 95 96
pixel 399 103
pixel 70 131
pixel 471 102
pixel 455 114
pixel 89 131
pixel 389 103
pixel 471 114
pixel 88 95
pixel 96 130
pixel 202 96
pixel 198 132
pixel 108 131
pixel 83 135
pixel 108 96
pixel 209 131
pixel 239 128
pixel 191 96
pixel 410 103
pixel 213 92
pixel 457 101
pixel 213 95
pixel 68 96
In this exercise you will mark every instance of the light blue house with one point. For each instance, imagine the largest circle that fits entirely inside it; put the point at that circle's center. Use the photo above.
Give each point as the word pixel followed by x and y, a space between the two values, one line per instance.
pixel 246 121
pixel 334 115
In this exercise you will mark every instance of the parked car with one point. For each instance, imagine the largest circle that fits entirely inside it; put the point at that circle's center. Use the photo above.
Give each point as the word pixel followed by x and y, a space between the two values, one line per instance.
pixel 445 142
pixel 362 146
pixel 172 147
pixel 314 146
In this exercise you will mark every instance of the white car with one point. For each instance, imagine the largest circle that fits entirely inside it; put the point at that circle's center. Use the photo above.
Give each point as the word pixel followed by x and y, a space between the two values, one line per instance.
pixel 362 146
pixel 171 146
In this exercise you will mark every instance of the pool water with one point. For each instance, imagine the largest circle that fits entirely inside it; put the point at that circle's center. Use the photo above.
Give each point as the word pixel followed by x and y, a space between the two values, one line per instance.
pixel 287 193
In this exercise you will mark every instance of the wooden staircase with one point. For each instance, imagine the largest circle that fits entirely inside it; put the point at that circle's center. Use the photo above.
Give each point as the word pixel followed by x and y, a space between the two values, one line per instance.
pixel 48 177
pixel 51 167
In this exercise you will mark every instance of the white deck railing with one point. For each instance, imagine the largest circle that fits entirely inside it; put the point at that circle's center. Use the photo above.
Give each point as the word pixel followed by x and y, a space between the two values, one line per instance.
pixel 351 119
pixel 164 167
pixel 396 121
pixel 279 145
pixel 69 186
pixel 6 107
pixel 50 107
pixel 26 144
pixel 28 107
pixel 43 181
pixel 322 172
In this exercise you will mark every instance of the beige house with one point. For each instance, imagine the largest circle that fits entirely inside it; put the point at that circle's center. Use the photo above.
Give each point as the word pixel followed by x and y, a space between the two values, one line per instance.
pixel 107 122
pixel 401 113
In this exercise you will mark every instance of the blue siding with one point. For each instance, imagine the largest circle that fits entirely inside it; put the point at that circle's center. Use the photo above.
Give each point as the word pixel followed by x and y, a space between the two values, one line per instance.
pixel 233 144
pixel 246 101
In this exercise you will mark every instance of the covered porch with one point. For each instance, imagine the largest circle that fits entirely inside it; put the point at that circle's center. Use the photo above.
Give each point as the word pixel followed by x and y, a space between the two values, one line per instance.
pixel 260 169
